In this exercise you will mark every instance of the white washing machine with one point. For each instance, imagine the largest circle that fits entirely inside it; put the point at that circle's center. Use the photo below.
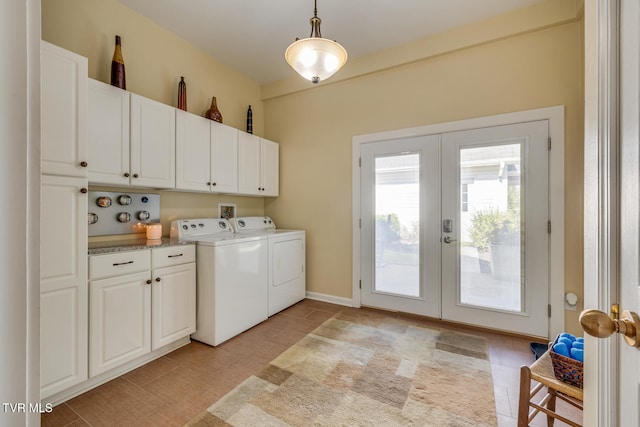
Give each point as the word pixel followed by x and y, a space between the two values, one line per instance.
pixel 231 278
pixel 287 265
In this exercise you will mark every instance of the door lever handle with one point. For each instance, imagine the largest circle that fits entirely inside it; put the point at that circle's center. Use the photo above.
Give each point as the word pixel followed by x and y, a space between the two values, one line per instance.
pixel 448 239
pixel 598 324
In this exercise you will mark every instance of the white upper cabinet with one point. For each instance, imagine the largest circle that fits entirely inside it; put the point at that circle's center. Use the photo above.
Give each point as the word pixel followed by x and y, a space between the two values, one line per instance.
pixel 131 139
pixel 224 158
pixel 258 162
pixel 153 143
pixel 269 167
pixel 63 111
pixel 206 155
pixel 108 134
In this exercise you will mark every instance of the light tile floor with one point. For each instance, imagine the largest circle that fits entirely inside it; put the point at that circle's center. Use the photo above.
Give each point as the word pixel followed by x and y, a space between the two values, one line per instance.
pixel 175 388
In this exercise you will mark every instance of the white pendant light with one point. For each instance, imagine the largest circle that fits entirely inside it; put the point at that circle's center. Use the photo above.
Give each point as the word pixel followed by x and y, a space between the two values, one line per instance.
pixel 315 58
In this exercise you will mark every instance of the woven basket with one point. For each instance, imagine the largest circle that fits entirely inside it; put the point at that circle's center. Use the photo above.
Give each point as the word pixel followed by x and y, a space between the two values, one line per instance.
pixel 566 369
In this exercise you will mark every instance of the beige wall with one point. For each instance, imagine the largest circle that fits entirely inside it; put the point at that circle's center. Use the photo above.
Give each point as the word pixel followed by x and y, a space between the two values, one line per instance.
pixel 154 61
pixel 520 61
pixel 315 129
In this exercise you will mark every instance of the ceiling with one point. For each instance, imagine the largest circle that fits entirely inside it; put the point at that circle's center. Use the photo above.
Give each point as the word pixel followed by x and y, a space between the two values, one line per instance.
pixel 252 35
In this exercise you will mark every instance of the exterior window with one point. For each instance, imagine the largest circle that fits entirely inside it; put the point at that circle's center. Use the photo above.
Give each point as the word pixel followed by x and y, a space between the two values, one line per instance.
pixel 464 197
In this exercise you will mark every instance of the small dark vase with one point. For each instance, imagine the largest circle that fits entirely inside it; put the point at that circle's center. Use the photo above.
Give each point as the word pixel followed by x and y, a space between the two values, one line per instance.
pixel 182 94
pixel 249 120
pixel 118 78
pixel 213 113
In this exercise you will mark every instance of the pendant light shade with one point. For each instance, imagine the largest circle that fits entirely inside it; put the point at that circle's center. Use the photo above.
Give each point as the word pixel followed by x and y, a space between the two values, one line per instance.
pixel 315 58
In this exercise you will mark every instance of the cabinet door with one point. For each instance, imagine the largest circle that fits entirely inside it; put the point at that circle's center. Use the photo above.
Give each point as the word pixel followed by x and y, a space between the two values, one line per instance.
pixel 248 164
pixel 193 136
pixel 108 134
pixel 63 111
pixel 63 284
pixel 120 313
pixel 173 306
pixel 269 167
pixel 153 143
pixel 224 158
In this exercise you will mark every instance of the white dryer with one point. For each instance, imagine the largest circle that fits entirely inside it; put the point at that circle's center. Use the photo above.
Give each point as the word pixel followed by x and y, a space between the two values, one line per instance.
pixel 231 278
pixel 287 260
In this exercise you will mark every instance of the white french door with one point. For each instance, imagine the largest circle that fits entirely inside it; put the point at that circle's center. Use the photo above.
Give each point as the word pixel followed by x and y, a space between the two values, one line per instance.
pixel 401 225
pixel 454 226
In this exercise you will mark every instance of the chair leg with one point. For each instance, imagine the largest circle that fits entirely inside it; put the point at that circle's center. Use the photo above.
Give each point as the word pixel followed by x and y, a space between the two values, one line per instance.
pixel 525 396
pixel 551 405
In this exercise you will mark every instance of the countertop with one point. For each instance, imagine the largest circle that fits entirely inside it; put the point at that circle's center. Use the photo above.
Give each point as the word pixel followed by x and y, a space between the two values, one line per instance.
pixel 99 248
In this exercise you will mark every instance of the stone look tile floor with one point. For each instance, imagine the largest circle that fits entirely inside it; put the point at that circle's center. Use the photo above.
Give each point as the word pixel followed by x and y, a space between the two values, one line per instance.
pixel 178 386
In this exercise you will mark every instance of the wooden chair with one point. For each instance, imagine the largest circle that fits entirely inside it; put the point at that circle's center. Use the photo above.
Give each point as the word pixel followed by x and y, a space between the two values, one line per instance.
pixel 542 372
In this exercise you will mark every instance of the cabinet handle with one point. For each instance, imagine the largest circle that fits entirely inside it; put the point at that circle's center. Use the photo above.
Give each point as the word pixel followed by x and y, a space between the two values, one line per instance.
pixel 83 190
pixel 208 183
pixel 213 184
pixel 135 175
pixel 157 279
pixel 115 264
pixel 148 281
pixel 126 174
pixel 83 164
pixel 174 256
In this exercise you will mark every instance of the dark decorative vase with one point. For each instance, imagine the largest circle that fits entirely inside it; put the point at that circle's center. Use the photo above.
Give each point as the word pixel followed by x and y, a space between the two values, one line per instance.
pixel 249 120
pixel 182 94
pixel 213 113
pixel 118 78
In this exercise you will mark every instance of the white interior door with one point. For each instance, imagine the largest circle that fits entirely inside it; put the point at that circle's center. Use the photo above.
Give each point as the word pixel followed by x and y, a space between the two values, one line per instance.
pixel 612 204
pixel 495 255
pixel 400 229
pixel 419 250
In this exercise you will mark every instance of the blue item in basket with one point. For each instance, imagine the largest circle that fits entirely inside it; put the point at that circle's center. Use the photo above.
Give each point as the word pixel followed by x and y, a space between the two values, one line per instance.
pixel 577 353
pixel 566 341
pixel 561 348
pixel 568 335
pixel 578 344
pixel 580 339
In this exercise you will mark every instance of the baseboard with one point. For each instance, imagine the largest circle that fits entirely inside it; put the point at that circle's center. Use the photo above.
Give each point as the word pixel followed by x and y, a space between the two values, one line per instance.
pixel 330 298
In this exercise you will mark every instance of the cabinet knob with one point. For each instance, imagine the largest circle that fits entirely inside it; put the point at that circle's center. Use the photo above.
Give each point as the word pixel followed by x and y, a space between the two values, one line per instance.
pixel 83 190
pixel 135 175
pixel 126 174
pixel 214 184
pixel 148 281
pixel 208 183
pixel 157 279
pixel 83 164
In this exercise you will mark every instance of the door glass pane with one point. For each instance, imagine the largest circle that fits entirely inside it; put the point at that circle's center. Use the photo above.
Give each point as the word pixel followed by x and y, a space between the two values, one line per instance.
pixel 491 222
pixel 397 231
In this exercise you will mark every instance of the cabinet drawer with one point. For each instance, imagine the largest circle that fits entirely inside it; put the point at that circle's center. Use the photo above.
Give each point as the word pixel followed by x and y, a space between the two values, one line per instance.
pixel 118 264
pixel 172 255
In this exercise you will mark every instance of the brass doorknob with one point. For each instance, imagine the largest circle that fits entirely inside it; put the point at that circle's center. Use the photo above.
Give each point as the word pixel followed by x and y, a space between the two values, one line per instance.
pixel 598 324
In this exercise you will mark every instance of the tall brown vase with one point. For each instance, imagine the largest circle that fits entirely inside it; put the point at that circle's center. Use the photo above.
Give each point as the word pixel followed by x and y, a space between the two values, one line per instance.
pixel 182 94
pixel 118 78
pixel 213 113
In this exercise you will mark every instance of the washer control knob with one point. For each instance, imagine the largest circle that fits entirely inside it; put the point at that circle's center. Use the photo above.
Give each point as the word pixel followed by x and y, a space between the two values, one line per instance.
pixel 144 215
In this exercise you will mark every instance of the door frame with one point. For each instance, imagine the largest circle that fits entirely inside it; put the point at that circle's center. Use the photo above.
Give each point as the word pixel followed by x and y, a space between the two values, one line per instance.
pixel 555 116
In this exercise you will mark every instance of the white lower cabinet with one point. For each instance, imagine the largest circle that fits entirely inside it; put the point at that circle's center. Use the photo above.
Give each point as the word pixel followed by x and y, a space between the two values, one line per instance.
pixel 120 320
pixel 139 302
pixel 173 294
pixel 63 284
